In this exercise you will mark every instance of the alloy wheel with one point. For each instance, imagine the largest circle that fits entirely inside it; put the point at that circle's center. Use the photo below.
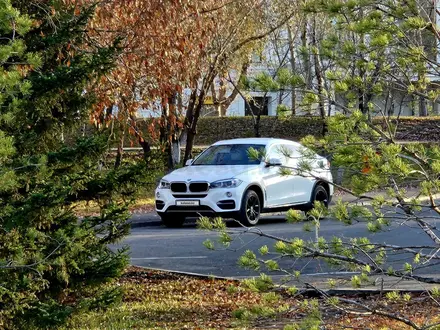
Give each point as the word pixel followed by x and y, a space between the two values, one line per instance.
pixel 253 208
pixel 321 196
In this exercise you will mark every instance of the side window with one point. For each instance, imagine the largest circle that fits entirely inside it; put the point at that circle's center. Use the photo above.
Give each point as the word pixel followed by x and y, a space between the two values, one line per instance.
pixel 277 151
pixel 293 155
pixel 289 154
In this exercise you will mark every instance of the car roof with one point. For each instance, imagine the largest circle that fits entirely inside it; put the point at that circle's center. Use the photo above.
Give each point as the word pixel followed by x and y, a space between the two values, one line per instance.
pixel 263 141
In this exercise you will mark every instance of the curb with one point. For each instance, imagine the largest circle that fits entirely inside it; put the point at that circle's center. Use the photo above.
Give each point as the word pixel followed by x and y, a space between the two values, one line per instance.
pixel 367 202
pixel 198 275
pixel 304 292
pixel 153 223
pixel 355 292
pixel 158 222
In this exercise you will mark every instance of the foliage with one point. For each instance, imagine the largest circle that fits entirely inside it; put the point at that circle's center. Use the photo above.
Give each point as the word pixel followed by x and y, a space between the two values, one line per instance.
pixel 171 53
pixel 384 50
pixel 52 264
pixel 337 56
pixel 145 74
pixel 367 53
pixel 374 162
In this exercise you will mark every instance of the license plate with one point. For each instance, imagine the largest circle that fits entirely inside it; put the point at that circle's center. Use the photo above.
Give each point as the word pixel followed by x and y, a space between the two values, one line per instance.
pixel 187 203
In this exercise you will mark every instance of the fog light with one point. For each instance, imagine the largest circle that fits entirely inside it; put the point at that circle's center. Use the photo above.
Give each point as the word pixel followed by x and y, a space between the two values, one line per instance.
pixel 229 194
pixel 158 194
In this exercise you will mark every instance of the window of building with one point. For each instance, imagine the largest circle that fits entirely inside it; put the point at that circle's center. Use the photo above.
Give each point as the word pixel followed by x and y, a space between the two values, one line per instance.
pixel 257 105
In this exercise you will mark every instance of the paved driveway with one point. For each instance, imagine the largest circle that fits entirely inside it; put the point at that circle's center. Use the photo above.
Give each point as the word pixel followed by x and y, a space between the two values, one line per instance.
pixel 182 249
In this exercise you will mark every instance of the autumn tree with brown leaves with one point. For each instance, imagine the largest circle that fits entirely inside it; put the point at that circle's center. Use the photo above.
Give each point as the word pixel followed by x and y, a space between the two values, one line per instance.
pixel 169 46
pixel 163 46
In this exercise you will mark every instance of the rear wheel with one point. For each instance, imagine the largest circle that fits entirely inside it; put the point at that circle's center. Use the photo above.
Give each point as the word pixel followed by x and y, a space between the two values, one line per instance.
pixel 250 209
pixel 319 194
pixel 172 220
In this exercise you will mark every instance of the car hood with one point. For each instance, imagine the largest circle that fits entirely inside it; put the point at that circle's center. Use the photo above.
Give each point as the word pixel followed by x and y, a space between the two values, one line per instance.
pixel 210 173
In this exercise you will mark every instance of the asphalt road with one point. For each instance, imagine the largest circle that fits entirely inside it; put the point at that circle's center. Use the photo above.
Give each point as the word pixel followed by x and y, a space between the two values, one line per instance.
pixel 182 249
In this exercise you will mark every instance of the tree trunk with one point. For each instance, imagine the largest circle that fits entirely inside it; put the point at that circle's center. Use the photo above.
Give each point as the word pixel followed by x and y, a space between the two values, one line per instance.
pixel 292 67
pixel 257 125
pixel 306 58
pixel 222 95
pixel 120 150
pixel 193 113
pixel 189 140
pixel 169 131
pixel 190 110
pixel 188 148
pixel 280 97
pixel 145 146
pixel 363 104
pixel 192 131
pixel 175 150
pixel 164 116
pixel 319 78
pixel 423 110
pixel 173 138
pixel 225 102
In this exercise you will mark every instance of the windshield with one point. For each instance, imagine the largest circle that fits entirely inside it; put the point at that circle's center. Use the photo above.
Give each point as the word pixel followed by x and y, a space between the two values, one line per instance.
pixel 229 154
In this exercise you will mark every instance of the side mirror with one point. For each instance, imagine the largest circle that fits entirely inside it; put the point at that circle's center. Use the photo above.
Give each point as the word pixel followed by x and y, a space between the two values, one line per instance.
pixel 188 162
pixel 274 162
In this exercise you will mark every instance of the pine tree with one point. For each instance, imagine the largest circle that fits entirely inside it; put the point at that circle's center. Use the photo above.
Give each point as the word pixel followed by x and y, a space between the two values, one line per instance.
pixel 51 263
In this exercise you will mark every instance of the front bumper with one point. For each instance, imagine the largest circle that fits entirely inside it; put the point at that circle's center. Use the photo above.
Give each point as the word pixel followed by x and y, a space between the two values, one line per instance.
pixel 214 201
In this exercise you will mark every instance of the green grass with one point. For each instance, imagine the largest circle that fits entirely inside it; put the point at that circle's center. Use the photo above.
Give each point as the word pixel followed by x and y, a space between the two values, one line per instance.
pixel 156 301
pixel 160 300
pixel 143 202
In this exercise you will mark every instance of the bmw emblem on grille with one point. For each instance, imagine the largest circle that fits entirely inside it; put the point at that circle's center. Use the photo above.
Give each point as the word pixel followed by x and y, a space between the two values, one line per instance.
pixel 188 180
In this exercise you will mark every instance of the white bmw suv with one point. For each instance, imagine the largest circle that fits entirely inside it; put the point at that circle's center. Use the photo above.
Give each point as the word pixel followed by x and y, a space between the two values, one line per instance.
pixel 226 180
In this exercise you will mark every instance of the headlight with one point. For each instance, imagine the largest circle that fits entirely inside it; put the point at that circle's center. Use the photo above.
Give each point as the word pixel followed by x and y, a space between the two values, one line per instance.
pixel 163 184
pixel 229 183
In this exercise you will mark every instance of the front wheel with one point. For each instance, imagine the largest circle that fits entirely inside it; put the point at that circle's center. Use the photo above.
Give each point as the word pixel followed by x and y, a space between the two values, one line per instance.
pixel 319 194
pixel 250 209
pixel 173 220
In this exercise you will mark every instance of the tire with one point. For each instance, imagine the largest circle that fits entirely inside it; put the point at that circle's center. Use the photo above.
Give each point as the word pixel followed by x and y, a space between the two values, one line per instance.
pixel 250 210
pixel 173 220
pixel 319 194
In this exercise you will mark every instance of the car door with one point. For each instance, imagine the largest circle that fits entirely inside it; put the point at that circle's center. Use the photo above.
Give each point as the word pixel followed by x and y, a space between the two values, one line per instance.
pixel 278 188
pixel 300 185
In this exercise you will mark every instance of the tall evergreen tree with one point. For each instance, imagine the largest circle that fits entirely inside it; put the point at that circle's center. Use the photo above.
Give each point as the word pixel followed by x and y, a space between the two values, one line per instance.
pixel 52 264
